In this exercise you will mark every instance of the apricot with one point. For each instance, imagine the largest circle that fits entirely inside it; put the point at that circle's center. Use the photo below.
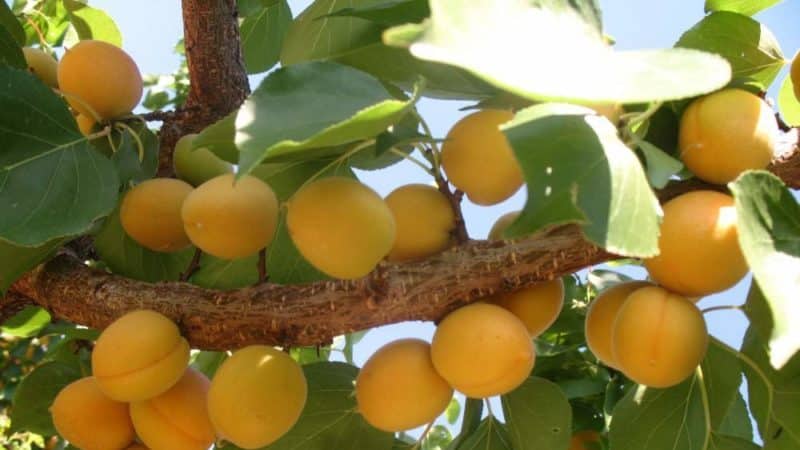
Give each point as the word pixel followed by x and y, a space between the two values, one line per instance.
pixel 583 437
pixel 231 218
pixel 699 244
pixel 399 389
pixel 499 227
pixel 43 65
pixel 199 165
pixel 256 396
pixel 424 219
pixel 659 337
pixel 537 306
pixel 137 447
pixel 178 418
pixel 150 214
pixel 478 159
pixel 342 227
pixel 85 124
pixel 725 133
pixel 794 73
pixel 482 350
pixel 139 356
pixel 83 415
pixel 600 319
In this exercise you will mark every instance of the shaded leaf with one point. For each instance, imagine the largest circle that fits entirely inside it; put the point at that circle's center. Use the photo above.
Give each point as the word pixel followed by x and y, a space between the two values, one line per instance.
pixel 537 415
pixel 10 52
pixel 9 21
pixel 208 362
pixel 219 138
pixel 722 442
pixel 388 12
pixel 24 259
pixel 216 273
pixel 262 35
pixel 133 166
pixel 35 395
pixel 722 378
pixel 660 165
pixel 736 422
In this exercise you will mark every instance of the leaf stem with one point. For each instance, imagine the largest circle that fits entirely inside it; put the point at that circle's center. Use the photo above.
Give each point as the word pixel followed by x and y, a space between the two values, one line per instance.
pixel 414 160
pixel 422 436
pixel 722 308
pixel 135 135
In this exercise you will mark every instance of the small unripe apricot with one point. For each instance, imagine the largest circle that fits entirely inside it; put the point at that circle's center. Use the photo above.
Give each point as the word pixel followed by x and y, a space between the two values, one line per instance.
pixel 139 356
pixel 178 418
pixel 85 124
pixel 478 159
pixel 583 437
pixel 399 389
pixel 256 396
pixel 231 218
pixel 725 133
pixel 424 220
pixel 99 78
pixel 499 227
pixel 83 415
pixel 342 227
pixel 659 337
pixel 537 306
pixel 794 73
pixel 699 244
pixel 42 65
pixel 151 214
pixel 482 350
pixel 199 165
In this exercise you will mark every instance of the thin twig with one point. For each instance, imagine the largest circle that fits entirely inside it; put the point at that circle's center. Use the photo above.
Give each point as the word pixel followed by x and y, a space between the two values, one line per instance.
pixel 722 308
pixel 263 277
pixel 193 265
pixel 455 197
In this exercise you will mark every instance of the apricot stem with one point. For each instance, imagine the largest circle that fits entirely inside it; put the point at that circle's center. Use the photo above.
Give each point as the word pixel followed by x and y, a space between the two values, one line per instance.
pixel 194 264
pixel 422 436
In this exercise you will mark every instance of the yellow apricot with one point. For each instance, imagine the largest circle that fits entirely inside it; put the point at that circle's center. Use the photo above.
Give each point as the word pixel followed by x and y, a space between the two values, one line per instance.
pixel 478 159
pixel 342 227
pixel 43 65
pixel 601 316
pixel 424 219
pixel 583 437
pixel 399 389
pixel 537 306
pixel 256 396
pixel 178 418
pixel 199 165
pixel 231 218
pixel 725 133
pixel 137 447
pixel 482 350
pixel 699 244
pixel 499 227
pixel 794 73
pixel 139 356
pixel 85 124
pixel 83 415
pixel 659 337
pixel 151 214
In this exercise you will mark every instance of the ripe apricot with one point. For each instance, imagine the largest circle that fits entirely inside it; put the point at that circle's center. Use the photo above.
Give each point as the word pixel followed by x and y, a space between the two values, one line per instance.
pixel 537 306
pixel 659 337
pixel 137 447
pixel 725 133
pixel 151 214
pixel 199 165
pixel 85 124
pixel 478 159
pixel 583 437
pixel 99 79
pixel 42 65
pixel 424 219
pixel 178 418
pixel 794 73
pixel 256 396
pixel 699 244
pixel 600 319
pixel 139 356
pixel 499 227
pixel 399 389
pixel 231 218
pixel 342 227
pixel 83 415
pixel 482 350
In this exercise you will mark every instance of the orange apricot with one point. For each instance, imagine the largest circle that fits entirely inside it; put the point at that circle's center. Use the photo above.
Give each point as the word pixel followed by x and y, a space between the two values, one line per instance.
pixel 150 214
pixel 424 219
pixel 537 306
pixel 41 64
pixel 499 227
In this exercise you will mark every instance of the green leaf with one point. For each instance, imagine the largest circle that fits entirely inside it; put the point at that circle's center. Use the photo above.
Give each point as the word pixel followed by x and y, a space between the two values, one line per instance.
pixel 453 411
pixel 490 435
pixel 769 234
pixel 215 273
pixel 310 106
pixel 92 23
pixel 27 322
pixel 660 165
pixel 722 377
pixel 746 7
pixel 469 34
pixel 388 12
pixel 600 184
pixel 209 362
pixel 473 410
pixel 218 138
pixel 262 36
pixel 656 419
pixel 24 259
pixel 10 52
pixel 537 415
pixel 330 419
pixel 74 185
pixel 285 264
pixel 737 420
pixel 9 21
pixel 35 395
pixel 131 165
pixel 788 103
pixel 310 355
pixel 722 442
pixel 747 45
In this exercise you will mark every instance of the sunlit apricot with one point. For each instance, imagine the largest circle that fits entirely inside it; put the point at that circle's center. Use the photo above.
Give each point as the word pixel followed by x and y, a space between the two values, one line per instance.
pixel 150 214
pixel 795 75
pixel 424 219
pixel 43 65
pixel 537 306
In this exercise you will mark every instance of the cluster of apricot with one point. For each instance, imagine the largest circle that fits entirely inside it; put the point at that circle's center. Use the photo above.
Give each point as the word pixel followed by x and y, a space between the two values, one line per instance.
pixel 143 387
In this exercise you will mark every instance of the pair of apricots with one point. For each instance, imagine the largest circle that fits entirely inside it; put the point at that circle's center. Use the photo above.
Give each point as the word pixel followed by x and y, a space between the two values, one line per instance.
pixel 143 387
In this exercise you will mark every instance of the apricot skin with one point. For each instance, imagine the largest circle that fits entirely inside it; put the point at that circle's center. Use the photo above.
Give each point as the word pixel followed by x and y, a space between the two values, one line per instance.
pixel 85 124
pixel 199 165
pixel 794 72
pixel 139 356
pixel 537 306
pixel 151 214
pixel 583 437
pixel 178 418
pixel 659 337
pixel 499 227
pixel 342 227
pixel 42 65
pixel 87 418
pixel 600 319
pixel 100 76
pixel 725 133
pixel 256 396
pixel 424 220
pixel 399 389
pixel 482 350
pixel 478 159
pixel 699 244
pixel 229 218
